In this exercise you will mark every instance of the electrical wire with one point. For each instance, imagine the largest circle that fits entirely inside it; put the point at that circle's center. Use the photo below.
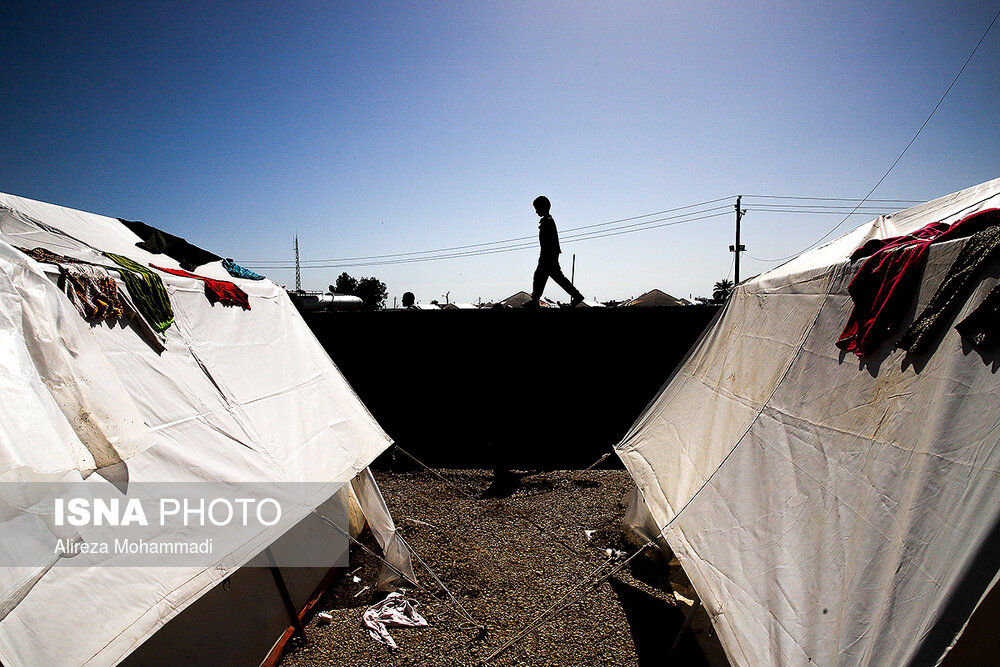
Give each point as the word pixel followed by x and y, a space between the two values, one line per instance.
pixel 514 244
pixel 896 161
pixel 490 243
pixel 577 233
pixel 572 234
pixel 878 201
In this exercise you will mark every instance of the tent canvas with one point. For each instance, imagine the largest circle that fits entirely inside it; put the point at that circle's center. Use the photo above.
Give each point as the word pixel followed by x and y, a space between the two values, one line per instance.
pixel 654 297
pixel 831 509
pixel 234 396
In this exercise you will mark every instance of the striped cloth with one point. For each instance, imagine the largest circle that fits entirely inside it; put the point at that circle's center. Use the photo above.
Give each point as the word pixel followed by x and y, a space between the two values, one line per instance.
pixel 146 289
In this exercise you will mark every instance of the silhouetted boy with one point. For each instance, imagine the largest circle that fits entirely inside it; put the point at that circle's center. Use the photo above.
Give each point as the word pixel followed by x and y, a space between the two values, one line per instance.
pixel 548 257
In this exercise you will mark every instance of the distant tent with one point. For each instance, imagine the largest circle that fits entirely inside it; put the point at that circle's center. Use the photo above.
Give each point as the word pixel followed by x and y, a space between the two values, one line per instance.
pixel 518 300
pixel 211 394
pixel 654 297
pixel 831 509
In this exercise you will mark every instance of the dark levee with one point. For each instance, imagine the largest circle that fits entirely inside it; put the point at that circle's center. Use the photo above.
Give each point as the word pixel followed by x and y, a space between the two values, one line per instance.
pixel 524 389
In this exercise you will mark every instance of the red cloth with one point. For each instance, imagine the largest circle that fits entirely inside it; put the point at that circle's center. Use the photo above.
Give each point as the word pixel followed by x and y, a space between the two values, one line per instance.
pixel 884 287
pixel 221 291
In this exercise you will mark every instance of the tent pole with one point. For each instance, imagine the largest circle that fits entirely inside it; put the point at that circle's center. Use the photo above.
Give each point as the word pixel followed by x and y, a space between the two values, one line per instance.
pixel 285 595
pixel 686 628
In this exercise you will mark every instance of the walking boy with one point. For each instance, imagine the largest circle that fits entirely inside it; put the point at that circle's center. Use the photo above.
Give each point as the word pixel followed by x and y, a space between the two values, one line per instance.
pixel 548 257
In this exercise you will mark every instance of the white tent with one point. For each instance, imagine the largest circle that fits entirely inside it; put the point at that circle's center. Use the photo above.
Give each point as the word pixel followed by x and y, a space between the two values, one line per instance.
pixel 226 395
pixel 831 509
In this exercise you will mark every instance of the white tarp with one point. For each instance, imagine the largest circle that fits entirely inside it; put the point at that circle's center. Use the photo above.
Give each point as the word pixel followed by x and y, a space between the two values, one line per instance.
pixel 237 396
pixel 828 509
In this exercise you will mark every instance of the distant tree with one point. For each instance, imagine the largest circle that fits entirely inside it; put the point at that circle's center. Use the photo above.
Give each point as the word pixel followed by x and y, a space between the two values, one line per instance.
pixel 373 292
pixel 345 285
pixel 722 290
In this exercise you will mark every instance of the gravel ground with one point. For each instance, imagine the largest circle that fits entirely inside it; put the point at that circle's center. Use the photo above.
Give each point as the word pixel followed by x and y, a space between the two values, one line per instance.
pixel 506 560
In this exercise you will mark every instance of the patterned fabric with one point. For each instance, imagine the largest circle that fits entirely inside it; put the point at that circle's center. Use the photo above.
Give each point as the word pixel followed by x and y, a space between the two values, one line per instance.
pixel 91 290
pixel 124 307
pixel 217 291
pixel 237 271
pixel 951 294
pixel 49 257
pixel 147 291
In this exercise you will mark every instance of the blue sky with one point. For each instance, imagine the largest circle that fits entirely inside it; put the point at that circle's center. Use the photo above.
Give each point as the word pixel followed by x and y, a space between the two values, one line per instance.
pixel 385 128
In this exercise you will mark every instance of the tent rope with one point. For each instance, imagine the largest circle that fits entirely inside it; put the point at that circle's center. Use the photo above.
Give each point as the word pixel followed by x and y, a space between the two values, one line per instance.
pixel 462 492
pixel 469 496
pixel 578 473
pixel 416 584
pixel 567 599
pixel 562 603
pixel 458 605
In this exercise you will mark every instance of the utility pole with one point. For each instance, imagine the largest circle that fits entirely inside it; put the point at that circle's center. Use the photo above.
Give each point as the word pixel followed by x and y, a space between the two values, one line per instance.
pixel 738 248
pixel 298 273
pixel 572 273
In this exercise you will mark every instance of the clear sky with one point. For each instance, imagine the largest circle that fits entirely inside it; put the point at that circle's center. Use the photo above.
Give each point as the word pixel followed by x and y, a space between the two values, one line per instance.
pixel 377 128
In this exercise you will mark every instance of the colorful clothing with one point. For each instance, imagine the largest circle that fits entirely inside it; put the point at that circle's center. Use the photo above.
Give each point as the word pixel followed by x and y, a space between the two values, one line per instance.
pixel 884 287
pixel 91 290
pixel 217 291
pixel 237 271
pixel 147 291
pixel 119 304
pixel 49 257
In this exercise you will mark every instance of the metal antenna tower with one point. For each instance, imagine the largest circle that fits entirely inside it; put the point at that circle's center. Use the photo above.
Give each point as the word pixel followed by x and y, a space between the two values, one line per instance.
pixel 298 273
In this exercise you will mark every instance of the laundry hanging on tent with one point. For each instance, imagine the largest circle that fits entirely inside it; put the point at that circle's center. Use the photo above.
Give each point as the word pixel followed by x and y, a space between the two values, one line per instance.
pixel 188 255
pixel 48 257
pixel 237 271
pixel 91 290
pixel 126 310
pixel 395 611
pixel 884 287
pixel 982 326
pixel 950 295
pixel 95 294
pixel 147 290
pixel 89 287
pixel 217 291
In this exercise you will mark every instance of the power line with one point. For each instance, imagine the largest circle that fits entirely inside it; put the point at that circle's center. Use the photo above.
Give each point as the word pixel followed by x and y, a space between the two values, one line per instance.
pixel 570 235
pixel 493 251
pixel 880 201
pixel 491 243
pixel 646 221
pixel 896 161
pixel 834 210
pixel 514 244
